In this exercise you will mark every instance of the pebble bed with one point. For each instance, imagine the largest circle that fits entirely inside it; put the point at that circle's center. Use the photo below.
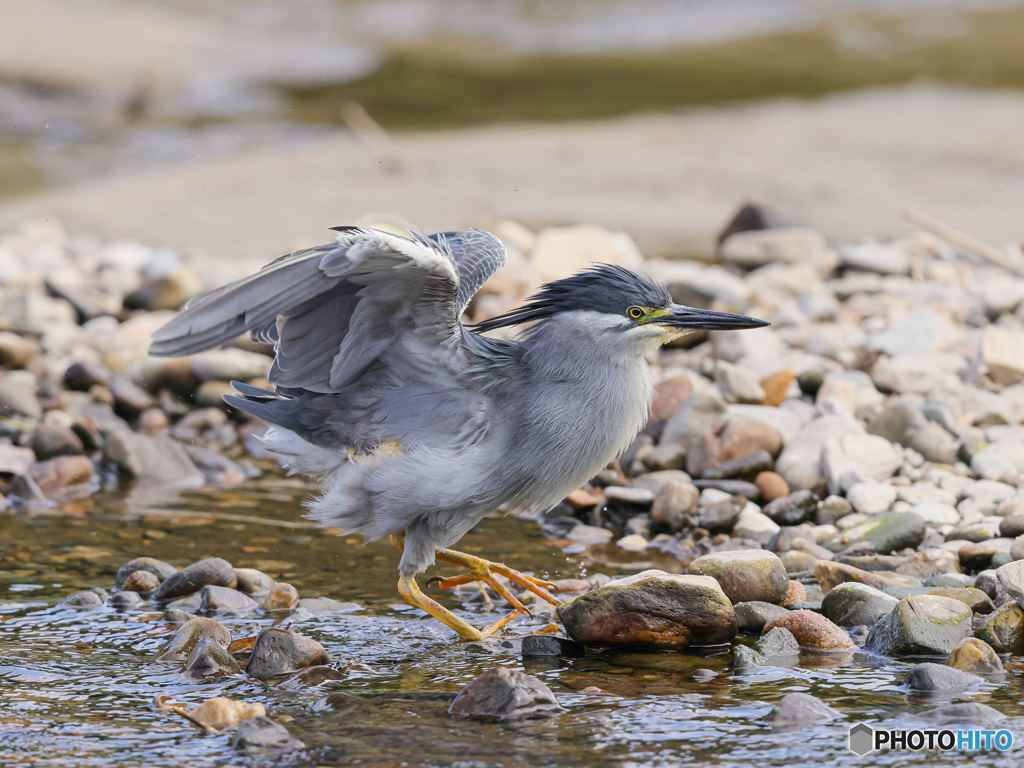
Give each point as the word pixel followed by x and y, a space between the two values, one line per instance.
pixel 835 495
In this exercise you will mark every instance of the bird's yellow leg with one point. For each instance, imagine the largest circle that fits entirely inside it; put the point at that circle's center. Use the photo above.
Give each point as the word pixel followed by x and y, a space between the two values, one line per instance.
pixel 410 591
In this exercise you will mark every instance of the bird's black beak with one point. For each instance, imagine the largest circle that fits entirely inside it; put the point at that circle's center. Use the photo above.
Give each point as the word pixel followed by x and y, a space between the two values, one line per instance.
pixel 692 319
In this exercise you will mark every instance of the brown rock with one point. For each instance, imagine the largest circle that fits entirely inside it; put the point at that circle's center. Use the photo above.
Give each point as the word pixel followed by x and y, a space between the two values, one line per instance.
pixel 140 581
pixel 812 631
pixel 830 573
pixel 583 499
pixel 279 651
pixel 776 386
pixel 189 635
pixel 796 593
pixel 771 486
pixel 223 713
pixel 745 575
pixel 975 557
pixel 673 502
pixel 502 693
pixel 283 597
pixel 54 475
pixel 652 609
pixel 192 578
pixel 52 438
pixel 668 396
pixel 978 601
pixel 975 656
pixel 731 437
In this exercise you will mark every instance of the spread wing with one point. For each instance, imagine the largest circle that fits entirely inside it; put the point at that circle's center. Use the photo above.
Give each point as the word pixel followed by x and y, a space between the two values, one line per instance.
pixel 335 309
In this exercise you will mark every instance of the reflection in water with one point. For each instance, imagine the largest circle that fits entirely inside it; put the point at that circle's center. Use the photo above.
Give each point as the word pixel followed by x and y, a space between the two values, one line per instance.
pixel 78 688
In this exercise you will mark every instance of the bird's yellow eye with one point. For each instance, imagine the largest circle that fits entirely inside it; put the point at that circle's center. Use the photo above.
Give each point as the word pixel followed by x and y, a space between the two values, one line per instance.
pixel 635 312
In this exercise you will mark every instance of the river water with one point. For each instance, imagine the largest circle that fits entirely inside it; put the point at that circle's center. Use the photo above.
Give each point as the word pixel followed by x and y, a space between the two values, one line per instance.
pixel 78 688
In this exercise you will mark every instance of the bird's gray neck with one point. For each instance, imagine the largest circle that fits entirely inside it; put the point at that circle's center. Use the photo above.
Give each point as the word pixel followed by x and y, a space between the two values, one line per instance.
pixel 587 392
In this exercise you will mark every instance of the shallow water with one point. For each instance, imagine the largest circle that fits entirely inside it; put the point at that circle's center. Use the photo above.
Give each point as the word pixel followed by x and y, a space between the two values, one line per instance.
pixel 78 688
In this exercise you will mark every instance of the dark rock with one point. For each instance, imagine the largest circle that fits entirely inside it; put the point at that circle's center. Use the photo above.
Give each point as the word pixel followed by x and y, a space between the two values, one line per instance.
pixel 831 509
pixel 797 709
pixel 83 601
pixel 886 533
pixel 852 604
pixel 224 599
pixel 51 439
pixel 503 693
pixel 745 575
pixel 130 400
pixel 652 609
pixel 752 616
pixel 84 375
pixel 778 642
pixel 734 487
pixel 720 517
pixel 327 605
pixel 260 733
pixel 190 635
pixel 192 578
pixel 253 582
pixel 1003 629
pixel 279 651
pixel 966 713
pixel 975 656
pixel 743 468
pixel 793 509
pixel 550 645
pixel 158 459
pixel 210 659
pixel 922 625
pixel 127 601
pixel 988 583
pixel 934 678
pixel 812 631
pixel 1012 526
pixel 976 557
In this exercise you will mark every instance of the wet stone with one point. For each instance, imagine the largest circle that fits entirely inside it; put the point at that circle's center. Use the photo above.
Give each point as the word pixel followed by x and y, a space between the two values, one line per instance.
pixel 141 581
pixel 190 603
pixel 812 631
pixel 190 635
pixel 210 659
pixel 968 713
pixel 327 605
pixel 744 658
pixel 793 509
pixel 1003 629
pixel 280 651
pixel 175 616
pixel 126 601
pixel 935 678
pixel 222 599
pixel 798 709
pixel 505 694
pixel 922 625
pixel 253 582
pixel 745 575
pixel 852 604
pixel 192 578
pixel 975 656
pixel 652 609
pixel 258 734
pixel 752 616
pixel 550 645
pixel 778 642
pixel 83 601
pixel 283 597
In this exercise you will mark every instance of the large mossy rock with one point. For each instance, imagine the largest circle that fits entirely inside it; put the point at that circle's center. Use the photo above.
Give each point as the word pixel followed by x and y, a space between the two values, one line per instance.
pixel 922 625
pixel 652 609
pixel 885 533
pixel 745 575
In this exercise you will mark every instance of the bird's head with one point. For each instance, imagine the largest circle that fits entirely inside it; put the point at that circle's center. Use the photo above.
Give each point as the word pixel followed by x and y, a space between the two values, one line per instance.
pixel 622 305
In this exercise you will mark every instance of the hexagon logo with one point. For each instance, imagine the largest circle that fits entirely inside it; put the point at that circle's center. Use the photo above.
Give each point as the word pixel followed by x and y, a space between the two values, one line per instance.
pixel 862 739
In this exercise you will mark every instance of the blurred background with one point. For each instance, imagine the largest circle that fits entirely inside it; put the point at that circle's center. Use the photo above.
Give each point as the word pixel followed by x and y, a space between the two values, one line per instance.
pixel 238 130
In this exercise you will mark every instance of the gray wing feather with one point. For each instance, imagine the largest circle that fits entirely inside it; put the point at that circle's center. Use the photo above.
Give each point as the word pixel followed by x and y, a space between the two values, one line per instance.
pixel 334 309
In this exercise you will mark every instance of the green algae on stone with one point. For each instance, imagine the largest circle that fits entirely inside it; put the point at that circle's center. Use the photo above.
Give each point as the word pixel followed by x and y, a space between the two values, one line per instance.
pixel 922 625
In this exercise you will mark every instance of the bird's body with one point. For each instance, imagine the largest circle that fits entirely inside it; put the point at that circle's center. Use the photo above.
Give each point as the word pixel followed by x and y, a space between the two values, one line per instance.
pixel 417 423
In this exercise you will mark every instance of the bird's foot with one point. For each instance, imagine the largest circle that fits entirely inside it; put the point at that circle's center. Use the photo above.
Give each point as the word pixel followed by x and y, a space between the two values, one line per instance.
pixel 409 590
pixel 484 571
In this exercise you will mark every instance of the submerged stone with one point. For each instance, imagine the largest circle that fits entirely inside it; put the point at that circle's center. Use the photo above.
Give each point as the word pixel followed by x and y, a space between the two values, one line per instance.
pixel 260 733
pixel 966 713
pixel 652 609
pixel 797 709
pixel 280 651
pixel 504 694
pixel 935 678
pixel 975 656
pixel 778 641
pixel 189 635
pixel 550 645
pixel 210 659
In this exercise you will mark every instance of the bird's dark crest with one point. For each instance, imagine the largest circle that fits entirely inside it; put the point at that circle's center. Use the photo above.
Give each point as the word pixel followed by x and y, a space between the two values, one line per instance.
pixel 601 288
